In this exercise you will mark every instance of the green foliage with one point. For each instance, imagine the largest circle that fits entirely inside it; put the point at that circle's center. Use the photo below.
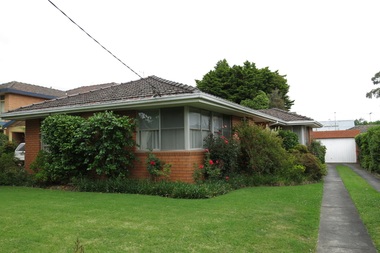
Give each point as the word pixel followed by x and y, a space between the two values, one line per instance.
pixel 162 188
pixel 78 248
pixel 289 139
pixel 61 134
pixel 375 92
pixel 369 149
pixel 3 139
pixel 10 172
pixel 102 144
pixel 314 168
pixel 276 100
pixel 106 141
pixel 262 150
pixel 238 83
pixel 261 101
pixel 157 168
pixel 318 149
pixel 221 156
pixel 43 172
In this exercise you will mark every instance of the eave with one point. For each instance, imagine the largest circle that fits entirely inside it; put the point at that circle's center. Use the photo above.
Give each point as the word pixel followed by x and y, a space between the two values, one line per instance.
pixel 200 100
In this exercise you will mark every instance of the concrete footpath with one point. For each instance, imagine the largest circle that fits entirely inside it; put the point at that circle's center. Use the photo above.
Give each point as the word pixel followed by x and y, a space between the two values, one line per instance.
pixel 340 229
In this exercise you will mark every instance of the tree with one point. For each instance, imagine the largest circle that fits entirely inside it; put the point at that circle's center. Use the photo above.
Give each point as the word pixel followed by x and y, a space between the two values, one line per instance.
pixel 261 101
pixel 375 92
pixel 239 83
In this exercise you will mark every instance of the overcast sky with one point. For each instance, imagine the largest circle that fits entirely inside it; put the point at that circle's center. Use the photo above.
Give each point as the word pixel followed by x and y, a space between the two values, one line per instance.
pixel 328 49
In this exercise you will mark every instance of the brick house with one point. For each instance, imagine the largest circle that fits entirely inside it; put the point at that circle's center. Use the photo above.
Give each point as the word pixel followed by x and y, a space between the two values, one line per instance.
pixel 301 125
pixel 173 119
pixel 16 94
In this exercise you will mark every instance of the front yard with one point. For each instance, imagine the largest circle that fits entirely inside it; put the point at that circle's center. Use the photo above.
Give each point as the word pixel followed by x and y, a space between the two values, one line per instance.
pixel 260 219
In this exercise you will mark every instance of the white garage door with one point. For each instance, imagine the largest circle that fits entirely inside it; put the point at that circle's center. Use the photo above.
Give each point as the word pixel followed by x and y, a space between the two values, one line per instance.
pixel 340 150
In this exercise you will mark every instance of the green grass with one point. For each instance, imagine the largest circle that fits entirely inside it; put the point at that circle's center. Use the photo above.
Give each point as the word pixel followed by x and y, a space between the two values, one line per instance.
pixel 366 199
pixel 260 219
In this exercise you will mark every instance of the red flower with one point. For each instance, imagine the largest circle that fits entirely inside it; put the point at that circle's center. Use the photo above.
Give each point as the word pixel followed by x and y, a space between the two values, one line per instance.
pixel 152 163
pixel 211 162
pixel 206 150
pixel 227 178
pixel 226 141
pixel 201 166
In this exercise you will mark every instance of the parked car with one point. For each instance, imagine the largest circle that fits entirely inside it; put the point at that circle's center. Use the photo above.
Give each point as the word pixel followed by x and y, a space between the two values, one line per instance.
pixel 20 151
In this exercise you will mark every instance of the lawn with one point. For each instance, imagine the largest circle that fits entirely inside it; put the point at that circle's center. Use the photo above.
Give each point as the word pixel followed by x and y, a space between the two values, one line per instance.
pixel 366 199
pixel 259 219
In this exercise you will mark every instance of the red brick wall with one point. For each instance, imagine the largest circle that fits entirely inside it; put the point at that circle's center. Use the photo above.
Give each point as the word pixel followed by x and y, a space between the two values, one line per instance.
pixel 32 141
pixel 14 101
pixel 183 164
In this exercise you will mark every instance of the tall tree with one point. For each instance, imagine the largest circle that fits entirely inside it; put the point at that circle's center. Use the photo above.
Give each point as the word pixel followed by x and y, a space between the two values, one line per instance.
pixel 239 83
pixel 375 92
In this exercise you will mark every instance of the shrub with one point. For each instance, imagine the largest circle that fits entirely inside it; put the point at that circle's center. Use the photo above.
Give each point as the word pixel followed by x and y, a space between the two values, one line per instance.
pixel 289 139
pixel 183 190
pixel 369 149
pixel 314 169
pixel 318 149
pixel 11 173
pixel 262 150
pixel 221 157
pixel 157 168
pixel 102 144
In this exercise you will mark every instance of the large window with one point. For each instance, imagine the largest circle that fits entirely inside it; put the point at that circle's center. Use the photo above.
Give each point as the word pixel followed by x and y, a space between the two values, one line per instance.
pixel 200 126
pixel 164 129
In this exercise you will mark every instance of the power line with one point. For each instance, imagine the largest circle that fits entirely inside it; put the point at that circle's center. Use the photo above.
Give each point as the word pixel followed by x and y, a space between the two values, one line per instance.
pixel 117 58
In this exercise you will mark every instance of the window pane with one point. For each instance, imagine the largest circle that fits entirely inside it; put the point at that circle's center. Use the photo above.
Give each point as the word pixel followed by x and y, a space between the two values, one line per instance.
pixel 149 119
pixel 173 139
pixel 196 140
pixel 195 119
pixel 206 120
pixel 218 124
pixel 149 140
pixel 227 126
pixel 172 117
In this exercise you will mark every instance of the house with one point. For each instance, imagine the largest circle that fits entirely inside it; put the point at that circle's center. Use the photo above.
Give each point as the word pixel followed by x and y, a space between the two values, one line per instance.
pixel 333 125
pixel 173 119
pixel 340 145
pixel 301 125
pixel 16 94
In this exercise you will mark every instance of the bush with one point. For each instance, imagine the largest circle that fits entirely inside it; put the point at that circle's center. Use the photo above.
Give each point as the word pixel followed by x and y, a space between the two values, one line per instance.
pixel 221 157
pixel 157 168
pixel 262 150
pixel 11 173
pixel 317 149
pixel 369 149
pixel 102 144
pixel 183 190
pixel 314 169
pixel 289 139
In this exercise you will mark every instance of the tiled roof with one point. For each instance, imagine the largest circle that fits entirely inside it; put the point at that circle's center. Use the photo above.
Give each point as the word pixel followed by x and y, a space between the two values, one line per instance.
pixel 151 86
pixel 362 128
pixel 335 134
pixel 30 90
pixel 84 89
pixel 284 115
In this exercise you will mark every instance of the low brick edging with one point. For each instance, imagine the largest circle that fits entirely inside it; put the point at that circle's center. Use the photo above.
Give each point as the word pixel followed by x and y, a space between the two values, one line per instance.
pixel 183 164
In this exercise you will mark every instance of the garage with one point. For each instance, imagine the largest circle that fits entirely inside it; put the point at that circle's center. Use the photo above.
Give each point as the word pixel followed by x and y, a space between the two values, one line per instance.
pixel 341 146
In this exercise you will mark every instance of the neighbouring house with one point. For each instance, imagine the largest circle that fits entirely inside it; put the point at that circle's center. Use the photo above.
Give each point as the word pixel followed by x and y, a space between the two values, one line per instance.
pixel 173 120
pixel 301 125
pixel 16 94
pixel 340 145
pixel 333 125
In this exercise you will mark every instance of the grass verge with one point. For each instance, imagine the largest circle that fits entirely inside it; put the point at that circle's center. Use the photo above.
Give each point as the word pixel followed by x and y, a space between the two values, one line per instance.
pixel 366 199
pixel 260 219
